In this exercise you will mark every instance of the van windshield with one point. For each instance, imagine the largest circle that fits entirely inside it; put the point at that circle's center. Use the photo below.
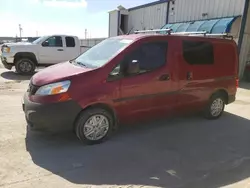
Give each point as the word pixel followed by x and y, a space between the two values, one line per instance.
pixel 101 53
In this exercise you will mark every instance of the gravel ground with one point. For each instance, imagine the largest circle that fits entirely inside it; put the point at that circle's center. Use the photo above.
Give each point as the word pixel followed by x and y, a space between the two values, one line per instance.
pixel 175 153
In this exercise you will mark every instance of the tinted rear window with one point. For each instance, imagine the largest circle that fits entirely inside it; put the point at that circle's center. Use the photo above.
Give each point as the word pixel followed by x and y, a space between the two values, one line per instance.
pixel 198 53
pixel 70 42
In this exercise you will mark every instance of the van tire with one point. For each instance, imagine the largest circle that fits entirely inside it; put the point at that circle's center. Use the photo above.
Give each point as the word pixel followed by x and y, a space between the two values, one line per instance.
pixel 25 66
pixel 217 99
pixel 89 117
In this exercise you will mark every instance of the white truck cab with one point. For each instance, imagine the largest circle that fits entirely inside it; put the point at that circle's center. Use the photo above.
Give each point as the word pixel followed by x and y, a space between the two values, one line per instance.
pixel 44 51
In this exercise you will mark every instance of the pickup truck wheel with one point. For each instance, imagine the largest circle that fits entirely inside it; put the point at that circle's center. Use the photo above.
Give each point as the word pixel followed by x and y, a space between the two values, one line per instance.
pixel 25 66
pixel 215 107
pixel 94 126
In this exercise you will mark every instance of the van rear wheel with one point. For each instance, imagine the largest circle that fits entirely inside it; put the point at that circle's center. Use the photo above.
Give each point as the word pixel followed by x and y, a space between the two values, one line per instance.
pixel 215 107
pixel 94 126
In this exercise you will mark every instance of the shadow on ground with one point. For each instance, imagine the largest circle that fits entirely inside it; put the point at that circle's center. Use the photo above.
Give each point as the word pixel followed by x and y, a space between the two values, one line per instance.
pixel 245 85
pixel 190 152
pixel 10 75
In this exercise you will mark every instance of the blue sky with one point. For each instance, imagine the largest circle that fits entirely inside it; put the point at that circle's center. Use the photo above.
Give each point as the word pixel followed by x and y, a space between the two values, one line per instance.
pixel 47 17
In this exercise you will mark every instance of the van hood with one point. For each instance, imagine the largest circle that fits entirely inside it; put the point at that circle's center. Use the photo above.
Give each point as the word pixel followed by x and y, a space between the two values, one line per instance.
pixel 56 73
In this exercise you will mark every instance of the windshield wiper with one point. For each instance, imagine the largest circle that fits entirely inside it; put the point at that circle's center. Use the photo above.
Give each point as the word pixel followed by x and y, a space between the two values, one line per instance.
pixel 77 63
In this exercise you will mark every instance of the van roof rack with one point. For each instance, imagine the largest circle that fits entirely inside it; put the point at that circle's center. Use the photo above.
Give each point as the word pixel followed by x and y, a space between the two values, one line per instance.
pixel 195 33
pixel 153 31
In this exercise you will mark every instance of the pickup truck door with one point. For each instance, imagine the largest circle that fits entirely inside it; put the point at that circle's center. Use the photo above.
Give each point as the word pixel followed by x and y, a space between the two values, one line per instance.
pixel 51 50
pixel 72 48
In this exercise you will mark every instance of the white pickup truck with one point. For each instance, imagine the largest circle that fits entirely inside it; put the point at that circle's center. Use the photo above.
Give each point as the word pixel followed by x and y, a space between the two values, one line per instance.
pixel 44 51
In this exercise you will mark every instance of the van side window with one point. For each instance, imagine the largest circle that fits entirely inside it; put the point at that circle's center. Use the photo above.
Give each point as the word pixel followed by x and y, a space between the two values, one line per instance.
pixel 70 42
pixel 198 53
pixel 149 56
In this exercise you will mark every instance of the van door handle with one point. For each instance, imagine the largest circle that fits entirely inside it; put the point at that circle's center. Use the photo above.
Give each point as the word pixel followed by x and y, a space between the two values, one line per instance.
pixel 189 75
pixel 59 49
pixel 164 77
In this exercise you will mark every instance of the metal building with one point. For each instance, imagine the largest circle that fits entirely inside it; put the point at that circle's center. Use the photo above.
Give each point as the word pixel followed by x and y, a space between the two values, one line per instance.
pixel 148 16
pixel 190 10
pixel 213 16
pixel 89 42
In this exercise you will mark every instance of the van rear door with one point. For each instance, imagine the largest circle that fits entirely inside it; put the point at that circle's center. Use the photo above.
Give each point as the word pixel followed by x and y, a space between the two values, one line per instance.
pixel 197 72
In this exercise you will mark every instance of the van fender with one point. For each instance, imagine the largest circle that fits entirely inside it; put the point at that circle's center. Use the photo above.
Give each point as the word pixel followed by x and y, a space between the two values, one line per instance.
pixel 105 106
pixel 223 92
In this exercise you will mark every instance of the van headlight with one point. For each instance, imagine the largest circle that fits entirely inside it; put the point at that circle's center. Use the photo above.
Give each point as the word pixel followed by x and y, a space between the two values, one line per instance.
pixel 54 88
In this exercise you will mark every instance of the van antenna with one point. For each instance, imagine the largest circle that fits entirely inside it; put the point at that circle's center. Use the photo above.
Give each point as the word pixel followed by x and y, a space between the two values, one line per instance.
pixel 130 31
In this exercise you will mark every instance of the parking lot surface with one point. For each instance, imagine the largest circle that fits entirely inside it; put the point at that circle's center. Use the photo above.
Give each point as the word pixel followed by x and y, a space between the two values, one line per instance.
pixel 174 153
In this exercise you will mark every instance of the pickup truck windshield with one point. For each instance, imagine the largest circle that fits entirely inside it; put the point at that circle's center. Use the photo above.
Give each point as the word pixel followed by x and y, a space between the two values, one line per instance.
pixel 39 39
pixel 101 53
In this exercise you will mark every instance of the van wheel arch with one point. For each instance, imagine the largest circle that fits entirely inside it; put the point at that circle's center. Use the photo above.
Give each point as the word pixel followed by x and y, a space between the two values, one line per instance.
pixel 223 92
pixel 216 104
pixel 104 106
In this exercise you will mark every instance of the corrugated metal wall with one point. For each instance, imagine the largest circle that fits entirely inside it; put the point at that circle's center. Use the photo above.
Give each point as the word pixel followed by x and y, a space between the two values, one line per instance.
pixel 113 23
pixel 152 17
pixel 183 10
pixel 88 43
pixel 189 10
pixel 245 48
pixel 91 41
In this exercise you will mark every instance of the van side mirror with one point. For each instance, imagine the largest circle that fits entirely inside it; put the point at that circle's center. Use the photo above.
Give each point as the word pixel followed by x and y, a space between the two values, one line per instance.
pixel 45 43
pixel 133 67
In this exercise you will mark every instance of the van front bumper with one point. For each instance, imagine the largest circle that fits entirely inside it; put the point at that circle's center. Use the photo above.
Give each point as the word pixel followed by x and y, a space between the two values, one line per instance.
pixel 50 117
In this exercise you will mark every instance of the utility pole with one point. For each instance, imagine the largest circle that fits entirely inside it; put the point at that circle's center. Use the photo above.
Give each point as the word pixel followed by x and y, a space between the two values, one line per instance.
pixel 20 30
pixel 86 32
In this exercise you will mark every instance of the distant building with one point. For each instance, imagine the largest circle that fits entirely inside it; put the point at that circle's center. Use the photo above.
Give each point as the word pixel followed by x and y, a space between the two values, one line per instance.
pixel 17 39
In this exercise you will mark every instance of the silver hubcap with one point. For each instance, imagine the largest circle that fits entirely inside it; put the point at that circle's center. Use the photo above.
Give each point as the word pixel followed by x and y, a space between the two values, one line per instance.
pixel 25 66
pixel 96 127
pixel 217 107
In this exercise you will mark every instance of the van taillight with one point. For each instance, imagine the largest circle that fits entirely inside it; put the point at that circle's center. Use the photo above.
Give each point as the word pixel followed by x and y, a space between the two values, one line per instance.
pixel 237 82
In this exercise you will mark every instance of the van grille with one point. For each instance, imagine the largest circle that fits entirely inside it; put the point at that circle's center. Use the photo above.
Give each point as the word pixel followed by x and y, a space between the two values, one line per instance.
pixel 32 89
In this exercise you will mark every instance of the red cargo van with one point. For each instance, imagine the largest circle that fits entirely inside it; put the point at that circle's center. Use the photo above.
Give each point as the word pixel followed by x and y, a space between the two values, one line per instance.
pixel 133 78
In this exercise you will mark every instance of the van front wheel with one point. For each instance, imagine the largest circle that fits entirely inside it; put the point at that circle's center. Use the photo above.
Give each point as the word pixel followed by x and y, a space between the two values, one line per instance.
pixel 94 126
pixel 215 107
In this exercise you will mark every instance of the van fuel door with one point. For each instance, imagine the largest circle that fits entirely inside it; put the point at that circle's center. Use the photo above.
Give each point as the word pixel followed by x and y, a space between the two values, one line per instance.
pixel 189 75
pixel 164 77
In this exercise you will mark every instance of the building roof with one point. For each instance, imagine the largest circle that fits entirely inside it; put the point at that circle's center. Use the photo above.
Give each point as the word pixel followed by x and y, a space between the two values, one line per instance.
pixel 140 6
pixel 213 26
pixel 149 4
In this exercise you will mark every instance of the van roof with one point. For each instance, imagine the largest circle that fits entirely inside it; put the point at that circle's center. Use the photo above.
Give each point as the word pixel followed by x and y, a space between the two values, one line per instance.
pixel 140 36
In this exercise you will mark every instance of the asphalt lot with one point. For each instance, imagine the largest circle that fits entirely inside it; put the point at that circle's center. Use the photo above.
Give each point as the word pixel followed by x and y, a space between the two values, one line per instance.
pixel 174 153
